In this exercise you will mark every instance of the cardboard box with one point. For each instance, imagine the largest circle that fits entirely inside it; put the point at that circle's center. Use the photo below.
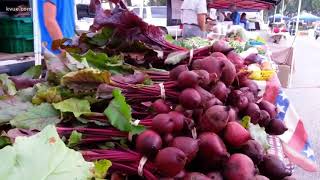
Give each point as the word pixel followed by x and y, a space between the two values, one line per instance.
pixel 284 75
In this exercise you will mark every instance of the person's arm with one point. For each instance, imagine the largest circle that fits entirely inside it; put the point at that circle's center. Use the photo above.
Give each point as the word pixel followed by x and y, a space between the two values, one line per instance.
pixel 202 21
pixel 201 14
pixel 51 24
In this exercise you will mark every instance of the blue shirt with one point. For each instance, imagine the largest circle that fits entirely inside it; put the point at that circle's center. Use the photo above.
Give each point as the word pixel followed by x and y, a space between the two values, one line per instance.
pixel 235 17
pixel 64 16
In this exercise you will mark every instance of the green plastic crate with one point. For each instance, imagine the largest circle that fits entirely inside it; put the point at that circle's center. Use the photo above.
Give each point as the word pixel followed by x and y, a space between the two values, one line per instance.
pixel 13 27
pixel 17 44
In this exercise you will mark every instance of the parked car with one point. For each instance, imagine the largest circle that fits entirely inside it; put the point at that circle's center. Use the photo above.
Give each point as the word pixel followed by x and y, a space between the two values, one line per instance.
pixel 317 31
pixel 157 16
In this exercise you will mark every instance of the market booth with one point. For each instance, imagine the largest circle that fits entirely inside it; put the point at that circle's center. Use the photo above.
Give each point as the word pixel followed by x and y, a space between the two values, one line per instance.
pixel 283 55
pixel 125 101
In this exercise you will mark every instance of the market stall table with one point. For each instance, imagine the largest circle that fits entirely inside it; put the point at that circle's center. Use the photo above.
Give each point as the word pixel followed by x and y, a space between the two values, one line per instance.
pixel 294 142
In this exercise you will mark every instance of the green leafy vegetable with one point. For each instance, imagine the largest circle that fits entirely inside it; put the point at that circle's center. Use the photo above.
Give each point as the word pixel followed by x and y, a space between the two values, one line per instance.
pixel 101 168
pixel 7 85
pixel 56 68
pixel 74 139
pixel 192 43
pixel 43 156
pixel 100 39
pixel 36 117
pixel 26 94
pixel 71 63
pixel 176 57
pixel 101 61
pixel 259 134
pixel 4 141
pixel 10 107
pixel 87 79
pixel 119 114
pixel 74 105
pixel 46 94
pixel 34 72
pixel 245 121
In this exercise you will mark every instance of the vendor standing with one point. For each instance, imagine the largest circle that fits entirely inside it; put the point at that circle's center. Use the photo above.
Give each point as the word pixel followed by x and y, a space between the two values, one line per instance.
pixel 235 16
pixel 194 14
pixel 56 20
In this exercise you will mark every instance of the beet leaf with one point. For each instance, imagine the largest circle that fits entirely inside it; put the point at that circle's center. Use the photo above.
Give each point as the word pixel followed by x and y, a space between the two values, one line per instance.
pixel 85 80
pixel 10 107
pixel 119 114
pixel 36 117
pixel 74 139
pixel 101 168
pixel 73 105
pixel 7 86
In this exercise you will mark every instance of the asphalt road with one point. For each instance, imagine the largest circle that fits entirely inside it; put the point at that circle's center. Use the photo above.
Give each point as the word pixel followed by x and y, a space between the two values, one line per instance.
pixel 305 95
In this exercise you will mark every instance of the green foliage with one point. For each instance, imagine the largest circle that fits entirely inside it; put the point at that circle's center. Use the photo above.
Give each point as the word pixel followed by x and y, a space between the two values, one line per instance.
pixel 7 86
pixel 85 80
pixel 10 107
pixel 73 105
pixel 74 139
pixel 119 114
pixel 43 156
pixel 34 72
pixel 37 117
pixel 101 168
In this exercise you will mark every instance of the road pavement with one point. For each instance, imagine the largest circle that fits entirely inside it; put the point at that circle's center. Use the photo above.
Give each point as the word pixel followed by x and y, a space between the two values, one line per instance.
pixel 305 95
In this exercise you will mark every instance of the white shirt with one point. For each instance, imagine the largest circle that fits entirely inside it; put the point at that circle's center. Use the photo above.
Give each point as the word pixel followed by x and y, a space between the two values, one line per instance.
pixel 190 9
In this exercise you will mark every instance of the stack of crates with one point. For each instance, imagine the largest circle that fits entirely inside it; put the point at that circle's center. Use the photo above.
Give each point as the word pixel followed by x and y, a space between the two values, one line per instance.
pixel 16 34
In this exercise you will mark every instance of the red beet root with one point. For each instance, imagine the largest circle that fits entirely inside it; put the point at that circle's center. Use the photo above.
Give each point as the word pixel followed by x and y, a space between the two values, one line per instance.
pixel 188 145
pixel 213 102
pixel 265 118
pixel 215 176
pixel 218 54
pixel 254 150
pixel 220 91
pixel 273 168
pixel 259 177
pixel 167 139
pixel 212 151
pixel 269 107
pixel 188 79
pixel 214 119
pixel 170 161
pixel 228 73
pixel 160 106
pixel 204 78
pixel 175 72
pixel 235 135
pixel 211 65
pixel 239 166
pixel 276 127
pixel 178 119
pixel 221 46
pixel 190 98
pixel 254 112
pixel 196 176
pixel 163 124
pixel 148 143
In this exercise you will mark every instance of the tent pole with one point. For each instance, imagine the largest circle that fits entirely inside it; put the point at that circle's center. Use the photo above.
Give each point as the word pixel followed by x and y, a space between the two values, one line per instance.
pixel 294 44
pixel 274 15
pixel 298 18
pixel 282 10
pixel 36 33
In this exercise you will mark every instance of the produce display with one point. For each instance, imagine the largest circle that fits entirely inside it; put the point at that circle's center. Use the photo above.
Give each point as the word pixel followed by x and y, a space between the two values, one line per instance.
pixel 123 103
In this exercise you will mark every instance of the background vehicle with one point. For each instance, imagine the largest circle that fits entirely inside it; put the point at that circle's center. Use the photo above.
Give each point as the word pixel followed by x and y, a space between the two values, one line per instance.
pixel 156 15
